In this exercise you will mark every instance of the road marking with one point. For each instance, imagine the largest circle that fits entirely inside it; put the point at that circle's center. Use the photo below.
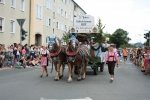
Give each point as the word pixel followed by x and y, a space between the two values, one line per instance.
pixel 86 98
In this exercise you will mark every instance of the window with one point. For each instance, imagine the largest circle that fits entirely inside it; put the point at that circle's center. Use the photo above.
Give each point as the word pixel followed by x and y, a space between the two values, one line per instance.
pixel 12 3
pixel 48 21
pixel 58 10
pixel 58 25
pixel 38 12
pixel 54 15
pixel 43 20
pixel 63 1
pixel 65 14
pixel 53 31
pixel 54 2
pixel 46 40
pixel 1 24
pixel 22 5
pixel 2 1
pixel 49 4
pixel 67 2
pixel 12 26
pixel 43 2
pixel 62 12
pixel 66 28
pixel 71 18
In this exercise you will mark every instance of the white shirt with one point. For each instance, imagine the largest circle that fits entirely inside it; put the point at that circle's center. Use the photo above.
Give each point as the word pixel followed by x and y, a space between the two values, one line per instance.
pixel 46 51
pixel 88 46
pixel 105 45
pixel 41 49
pixel 18 53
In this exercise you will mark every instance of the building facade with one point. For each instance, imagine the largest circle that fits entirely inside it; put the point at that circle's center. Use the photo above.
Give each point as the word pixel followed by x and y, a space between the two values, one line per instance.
pixel 43 18
pixel 10 10
pixel 52 18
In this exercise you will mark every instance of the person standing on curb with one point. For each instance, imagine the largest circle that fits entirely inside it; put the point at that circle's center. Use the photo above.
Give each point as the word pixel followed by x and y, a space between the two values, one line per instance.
pixel 111 59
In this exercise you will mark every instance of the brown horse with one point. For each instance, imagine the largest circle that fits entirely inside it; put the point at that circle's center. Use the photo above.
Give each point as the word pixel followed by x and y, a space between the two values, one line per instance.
pixel 77 55
pixel 57 53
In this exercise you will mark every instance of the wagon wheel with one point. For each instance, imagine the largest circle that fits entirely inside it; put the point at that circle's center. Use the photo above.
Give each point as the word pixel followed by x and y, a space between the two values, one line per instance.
pixel 95 70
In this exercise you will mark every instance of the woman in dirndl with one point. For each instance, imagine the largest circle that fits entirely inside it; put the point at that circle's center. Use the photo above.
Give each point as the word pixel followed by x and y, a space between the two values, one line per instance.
pixel 44 60
pixel 112 60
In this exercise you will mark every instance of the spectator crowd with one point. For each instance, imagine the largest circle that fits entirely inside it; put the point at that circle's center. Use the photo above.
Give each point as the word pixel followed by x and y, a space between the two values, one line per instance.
pixel 20 56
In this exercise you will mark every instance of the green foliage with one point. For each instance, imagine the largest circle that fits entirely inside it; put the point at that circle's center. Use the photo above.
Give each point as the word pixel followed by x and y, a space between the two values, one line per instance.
pixel 65 37
pixel 120 37
pixel 98 37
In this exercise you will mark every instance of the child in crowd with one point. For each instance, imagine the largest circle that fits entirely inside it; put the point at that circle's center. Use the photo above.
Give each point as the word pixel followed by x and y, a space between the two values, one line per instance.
pixel 23 51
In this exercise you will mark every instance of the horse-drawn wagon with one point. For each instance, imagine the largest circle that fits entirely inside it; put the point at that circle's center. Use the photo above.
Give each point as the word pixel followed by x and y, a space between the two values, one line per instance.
pixel 77 54
pixel 96 51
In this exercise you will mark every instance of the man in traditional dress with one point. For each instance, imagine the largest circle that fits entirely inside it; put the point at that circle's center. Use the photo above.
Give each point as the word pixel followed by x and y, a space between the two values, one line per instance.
pixel 104 48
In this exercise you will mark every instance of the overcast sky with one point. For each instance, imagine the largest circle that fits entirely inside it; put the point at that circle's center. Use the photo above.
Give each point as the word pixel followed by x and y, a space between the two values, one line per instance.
pixel 130 15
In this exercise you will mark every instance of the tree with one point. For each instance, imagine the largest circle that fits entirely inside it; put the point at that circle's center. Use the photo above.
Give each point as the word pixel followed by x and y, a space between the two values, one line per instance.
pixel 98 37
pixel 65 37
pixel 120 37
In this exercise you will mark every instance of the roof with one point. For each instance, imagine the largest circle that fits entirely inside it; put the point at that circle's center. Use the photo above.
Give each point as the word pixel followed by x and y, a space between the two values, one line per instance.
pixel 79 6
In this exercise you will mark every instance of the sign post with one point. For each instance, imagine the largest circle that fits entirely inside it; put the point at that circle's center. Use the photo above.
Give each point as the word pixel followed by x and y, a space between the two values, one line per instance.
pixel 21 22
pixel 84 24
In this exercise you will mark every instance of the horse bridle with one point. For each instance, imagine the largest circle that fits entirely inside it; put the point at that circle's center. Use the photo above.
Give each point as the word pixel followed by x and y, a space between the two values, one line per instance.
pixel 51 51
pixel 74 49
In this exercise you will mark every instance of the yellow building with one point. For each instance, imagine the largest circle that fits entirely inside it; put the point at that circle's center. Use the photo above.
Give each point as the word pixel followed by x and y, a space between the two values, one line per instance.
pixel 51 17
pixel 10 10
pixel 43 18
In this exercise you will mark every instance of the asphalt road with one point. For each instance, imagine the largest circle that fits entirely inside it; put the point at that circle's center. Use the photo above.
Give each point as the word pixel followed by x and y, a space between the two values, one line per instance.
pixel 25 84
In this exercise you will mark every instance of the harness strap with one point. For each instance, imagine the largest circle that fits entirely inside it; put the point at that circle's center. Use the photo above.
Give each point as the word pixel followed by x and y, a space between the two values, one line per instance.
pixel 111 56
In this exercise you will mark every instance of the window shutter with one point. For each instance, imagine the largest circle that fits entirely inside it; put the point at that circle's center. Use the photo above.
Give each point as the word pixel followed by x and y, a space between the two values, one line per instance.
pixel 20 4
pixel 46 21
pixel 24 5
pixel 51 5
pixel 47 3
pixel 59 25
pixel 59 11
pixel 40 12
pixel 43 20
pixel 67 2
pixel 10 3
pixel 37 11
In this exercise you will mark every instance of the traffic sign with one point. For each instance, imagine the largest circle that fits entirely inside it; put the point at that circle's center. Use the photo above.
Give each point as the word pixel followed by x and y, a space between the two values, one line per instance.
pixel 21 21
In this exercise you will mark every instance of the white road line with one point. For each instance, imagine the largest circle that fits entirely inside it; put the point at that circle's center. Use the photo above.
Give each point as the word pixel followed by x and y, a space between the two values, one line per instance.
pixel 86 98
